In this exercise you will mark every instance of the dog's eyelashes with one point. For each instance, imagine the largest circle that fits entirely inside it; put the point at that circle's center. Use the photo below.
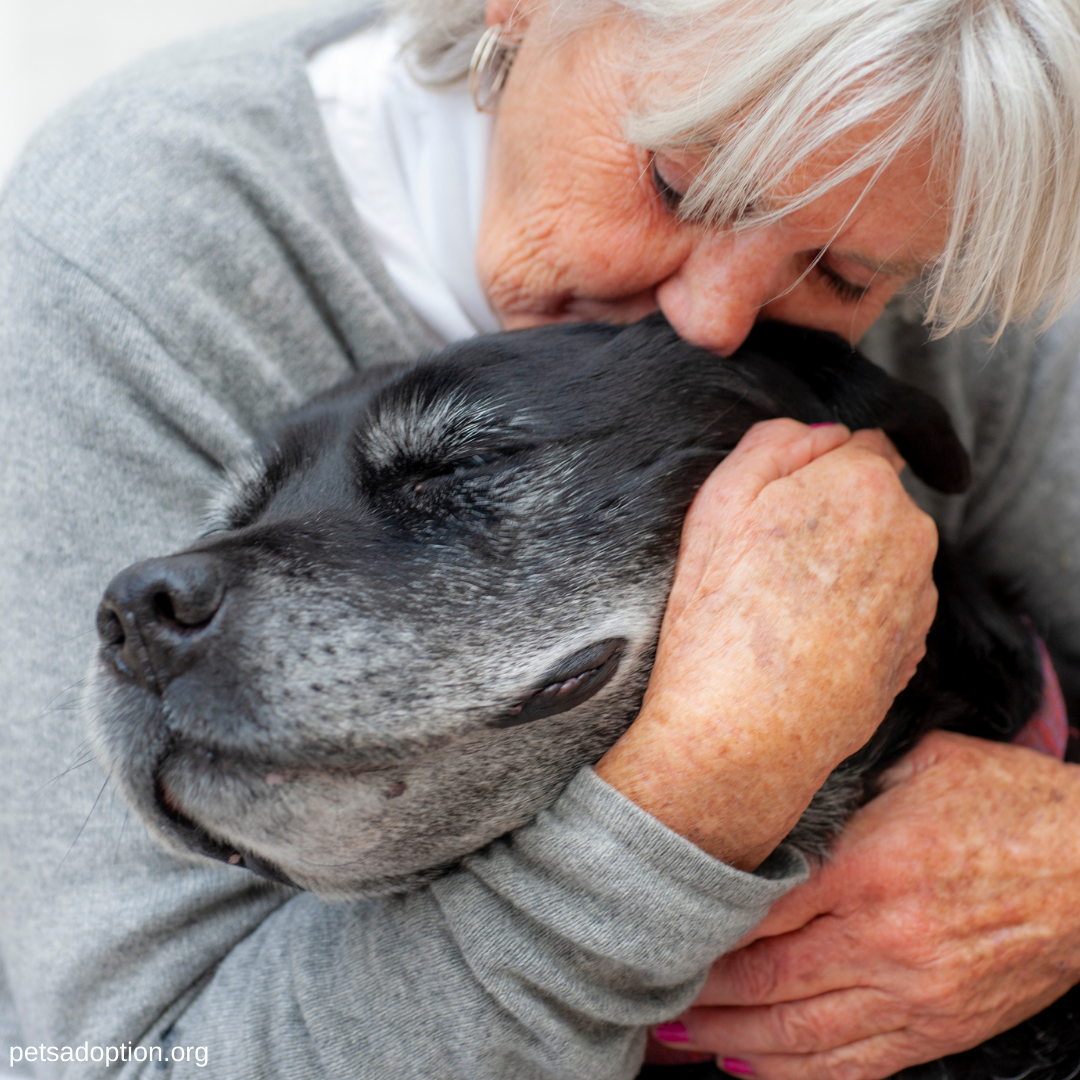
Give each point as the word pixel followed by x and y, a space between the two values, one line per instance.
pixel 427 478
pixel 478 461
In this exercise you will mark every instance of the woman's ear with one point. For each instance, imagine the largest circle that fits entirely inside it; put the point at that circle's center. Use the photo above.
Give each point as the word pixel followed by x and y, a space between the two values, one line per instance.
pixel 507 12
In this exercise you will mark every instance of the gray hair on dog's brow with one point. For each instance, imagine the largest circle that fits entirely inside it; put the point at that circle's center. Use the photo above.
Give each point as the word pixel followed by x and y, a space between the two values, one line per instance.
pixel 416 424
pixel 236 492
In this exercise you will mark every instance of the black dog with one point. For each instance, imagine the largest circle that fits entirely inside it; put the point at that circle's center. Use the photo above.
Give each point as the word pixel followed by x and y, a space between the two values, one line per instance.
pixel 437 595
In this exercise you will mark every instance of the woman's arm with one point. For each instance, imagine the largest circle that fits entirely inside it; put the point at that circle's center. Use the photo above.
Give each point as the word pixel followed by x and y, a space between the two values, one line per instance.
pixel 544 955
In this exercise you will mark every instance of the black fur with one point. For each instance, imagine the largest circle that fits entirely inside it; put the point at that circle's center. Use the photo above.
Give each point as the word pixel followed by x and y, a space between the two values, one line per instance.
pixel 437 594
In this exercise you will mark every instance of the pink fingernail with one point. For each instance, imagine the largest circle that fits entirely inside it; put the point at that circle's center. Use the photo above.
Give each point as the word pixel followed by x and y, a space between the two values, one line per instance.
pixel 737 1066
pixel 824 423
pixel 673 1032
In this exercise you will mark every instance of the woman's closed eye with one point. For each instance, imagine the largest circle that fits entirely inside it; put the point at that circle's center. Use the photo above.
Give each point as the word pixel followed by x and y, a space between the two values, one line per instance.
pixel 846 291
pixel 666 188
pixel 672 175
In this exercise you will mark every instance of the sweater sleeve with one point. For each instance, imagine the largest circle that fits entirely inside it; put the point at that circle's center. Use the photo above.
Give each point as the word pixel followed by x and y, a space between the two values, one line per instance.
pixel 542 956
pixel 1022 521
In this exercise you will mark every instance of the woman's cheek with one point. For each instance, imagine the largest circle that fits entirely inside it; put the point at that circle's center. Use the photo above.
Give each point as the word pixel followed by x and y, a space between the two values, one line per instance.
pixel 809 304
pixel 580 264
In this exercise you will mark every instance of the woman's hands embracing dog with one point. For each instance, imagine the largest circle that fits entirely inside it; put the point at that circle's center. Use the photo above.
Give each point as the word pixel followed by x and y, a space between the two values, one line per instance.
pixel 802 537
pixel 865 967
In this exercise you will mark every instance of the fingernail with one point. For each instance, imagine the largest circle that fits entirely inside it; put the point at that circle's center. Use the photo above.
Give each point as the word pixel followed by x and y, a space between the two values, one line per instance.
pixel 825 423
pixel 673 1032
pixel 737 1066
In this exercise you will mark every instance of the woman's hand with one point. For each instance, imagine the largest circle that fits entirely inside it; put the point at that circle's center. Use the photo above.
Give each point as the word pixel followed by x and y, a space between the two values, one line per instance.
pixel 948 913
pixel 800 607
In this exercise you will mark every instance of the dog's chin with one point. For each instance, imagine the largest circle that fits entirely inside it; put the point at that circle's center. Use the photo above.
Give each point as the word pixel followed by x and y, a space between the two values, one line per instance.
pixel 290 860
pixel 337 833
pixel 349 831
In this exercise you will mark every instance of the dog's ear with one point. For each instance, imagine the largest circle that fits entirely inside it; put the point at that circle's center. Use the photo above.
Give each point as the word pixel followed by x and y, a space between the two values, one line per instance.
pixel 859 394
pixel 922 431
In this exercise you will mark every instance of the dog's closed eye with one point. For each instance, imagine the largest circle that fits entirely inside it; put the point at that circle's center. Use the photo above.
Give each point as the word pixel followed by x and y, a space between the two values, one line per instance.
pixel 422 476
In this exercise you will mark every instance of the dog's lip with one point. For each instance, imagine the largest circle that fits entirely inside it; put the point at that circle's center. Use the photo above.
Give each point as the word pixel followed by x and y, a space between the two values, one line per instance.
pixel 571 683
pixel 275 770
pixel 199 839
pixel 169 801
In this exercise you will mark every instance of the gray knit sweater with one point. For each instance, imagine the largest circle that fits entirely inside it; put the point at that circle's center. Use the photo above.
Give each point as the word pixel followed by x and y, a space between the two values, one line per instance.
pixel 180 264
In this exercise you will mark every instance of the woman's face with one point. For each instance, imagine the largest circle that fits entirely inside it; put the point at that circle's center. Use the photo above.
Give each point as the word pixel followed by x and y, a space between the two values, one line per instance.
pixel 579 224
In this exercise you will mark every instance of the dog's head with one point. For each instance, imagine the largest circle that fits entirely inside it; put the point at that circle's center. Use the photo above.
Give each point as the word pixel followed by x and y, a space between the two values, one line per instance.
pixel 438 593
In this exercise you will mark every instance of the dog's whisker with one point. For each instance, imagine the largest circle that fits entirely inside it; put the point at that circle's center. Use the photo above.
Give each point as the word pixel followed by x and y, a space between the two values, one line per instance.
pixel 88 760
pixel 51 706
pixel 82 827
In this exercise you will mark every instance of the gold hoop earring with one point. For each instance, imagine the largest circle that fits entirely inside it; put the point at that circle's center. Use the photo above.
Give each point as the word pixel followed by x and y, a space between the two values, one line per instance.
pixel 491 62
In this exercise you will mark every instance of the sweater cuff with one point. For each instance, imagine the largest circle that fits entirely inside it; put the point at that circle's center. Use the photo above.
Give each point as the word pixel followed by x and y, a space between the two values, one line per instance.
pixel 669 851
pixel 597 870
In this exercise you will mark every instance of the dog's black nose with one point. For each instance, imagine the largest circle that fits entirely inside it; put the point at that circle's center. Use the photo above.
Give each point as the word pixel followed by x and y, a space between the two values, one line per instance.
pixel 156 615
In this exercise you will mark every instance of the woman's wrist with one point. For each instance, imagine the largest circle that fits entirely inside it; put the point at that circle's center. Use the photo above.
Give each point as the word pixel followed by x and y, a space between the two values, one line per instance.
pixel 696 776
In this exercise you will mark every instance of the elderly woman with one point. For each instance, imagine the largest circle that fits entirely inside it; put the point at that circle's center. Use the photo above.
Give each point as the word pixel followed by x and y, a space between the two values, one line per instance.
pixel 203 242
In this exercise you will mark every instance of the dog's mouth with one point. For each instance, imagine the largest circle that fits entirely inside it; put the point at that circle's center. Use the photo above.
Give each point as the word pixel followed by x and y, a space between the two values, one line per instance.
pixel 199 840
pixel 569 684
pixel 185 767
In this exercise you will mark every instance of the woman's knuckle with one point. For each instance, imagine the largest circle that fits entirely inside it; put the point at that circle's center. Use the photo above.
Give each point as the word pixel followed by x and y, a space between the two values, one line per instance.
pixel 754 975
pixel 827 1066
pixel 925 530
pixel 875 476
pixel 845 1064
pixel 793 1030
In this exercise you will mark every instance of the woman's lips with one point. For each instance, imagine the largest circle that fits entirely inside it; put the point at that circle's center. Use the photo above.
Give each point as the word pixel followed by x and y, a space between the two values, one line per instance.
pixel 623 310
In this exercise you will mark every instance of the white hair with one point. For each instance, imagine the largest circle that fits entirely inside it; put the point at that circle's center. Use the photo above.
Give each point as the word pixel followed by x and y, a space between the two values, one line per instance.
pixel 994 85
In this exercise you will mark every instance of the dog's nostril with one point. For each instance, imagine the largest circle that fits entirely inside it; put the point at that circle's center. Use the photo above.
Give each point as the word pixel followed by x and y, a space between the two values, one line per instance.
pixel 163 607
pixel 181 612
pixel 109 627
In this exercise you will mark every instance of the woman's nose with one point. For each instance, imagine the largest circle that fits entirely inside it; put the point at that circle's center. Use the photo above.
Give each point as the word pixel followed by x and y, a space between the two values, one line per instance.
pixel 717 294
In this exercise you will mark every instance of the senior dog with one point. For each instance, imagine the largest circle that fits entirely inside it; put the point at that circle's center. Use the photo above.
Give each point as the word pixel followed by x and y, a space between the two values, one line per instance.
pixel 436 594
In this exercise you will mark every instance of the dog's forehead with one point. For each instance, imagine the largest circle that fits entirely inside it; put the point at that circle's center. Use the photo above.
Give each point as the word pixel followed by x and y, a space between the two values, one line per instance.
pixel 585 381
pixel 579 389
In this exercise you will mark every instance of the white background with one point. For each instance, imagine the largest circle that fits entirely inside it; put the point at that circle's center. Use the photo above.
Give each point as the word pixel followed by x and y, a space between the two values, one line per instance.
pixel 51 49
